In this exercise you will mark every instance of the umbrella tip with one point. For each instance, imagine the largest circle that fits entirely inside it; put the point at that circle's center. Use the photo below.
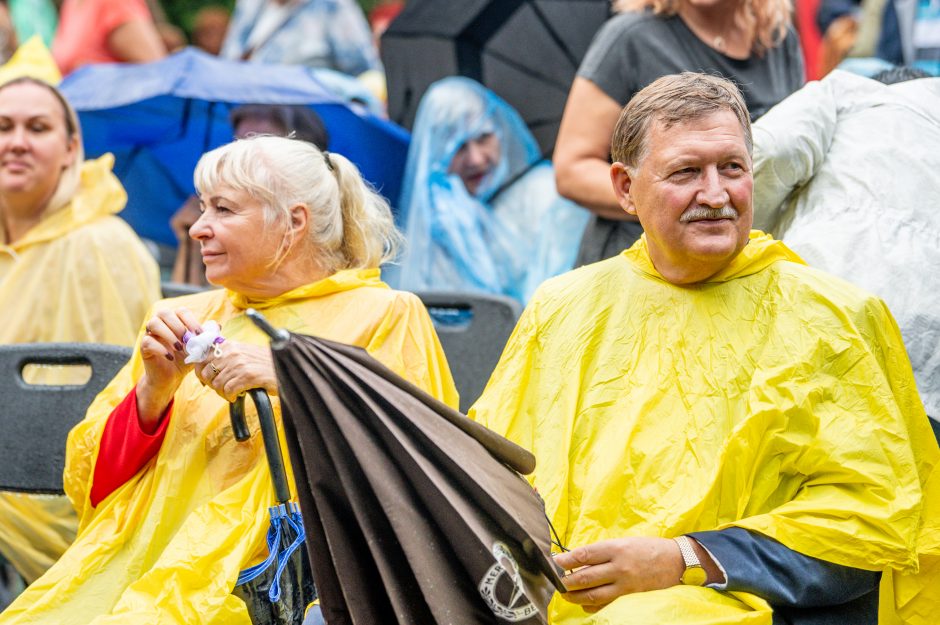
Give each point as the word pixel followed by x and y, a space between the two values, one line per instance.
pixel 278 337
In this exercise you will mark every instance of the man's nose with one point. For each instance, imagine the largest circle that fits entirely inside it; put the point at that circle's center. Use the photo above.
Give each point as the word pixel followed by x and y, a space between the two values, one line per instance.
pixel 712 192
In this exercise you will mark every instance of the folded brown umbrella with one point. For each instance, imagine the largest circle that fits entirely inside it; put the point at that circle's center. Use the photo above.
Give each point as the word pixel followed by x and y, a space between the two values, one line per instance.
pixel 414 513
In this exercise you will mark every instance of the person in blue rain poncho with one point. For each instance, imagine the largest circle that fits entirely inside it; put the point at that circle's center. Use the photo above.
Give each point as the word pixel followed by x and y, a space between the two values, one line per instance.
pixel 479 206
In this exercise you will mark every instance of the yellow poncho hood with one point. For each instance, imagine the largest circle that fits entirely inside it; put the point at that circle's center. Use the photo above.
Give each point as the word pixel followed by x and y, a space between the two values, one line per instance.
pixel 772 397
pixel 100 194
pixel 760 252
pixel 80 274
pixel 32 59
pixel 167 546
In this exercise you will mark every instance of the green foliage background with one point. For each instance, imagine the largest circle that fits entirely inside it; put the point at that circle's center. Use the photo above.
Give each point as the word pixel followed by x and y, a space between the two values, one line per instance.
pixel 181 12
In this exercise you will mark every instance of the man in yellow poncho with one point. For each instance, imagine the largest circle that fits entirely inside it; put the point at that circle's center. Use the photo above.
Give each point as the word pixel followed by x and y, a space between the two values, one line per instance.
pixel 70 269
pixel 723 434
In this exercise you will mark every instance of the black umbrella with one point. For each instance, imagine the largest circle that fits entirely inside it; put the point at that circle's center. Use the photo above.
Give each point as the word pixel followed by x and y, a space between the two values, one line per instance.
pixel 277 590
pixel 527 51
pixel 414 513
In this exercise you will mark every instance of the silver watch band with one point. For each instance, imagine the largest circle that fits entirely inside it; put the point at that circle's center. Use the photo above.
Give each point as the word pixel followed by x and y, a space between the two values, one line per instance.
pixel 688 553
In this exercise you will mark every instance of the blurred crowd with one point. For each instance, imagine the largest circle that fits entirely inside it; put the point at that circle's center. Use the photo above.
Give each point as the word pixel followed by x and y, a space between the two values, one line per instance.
pixel 770 53
pixel 843 95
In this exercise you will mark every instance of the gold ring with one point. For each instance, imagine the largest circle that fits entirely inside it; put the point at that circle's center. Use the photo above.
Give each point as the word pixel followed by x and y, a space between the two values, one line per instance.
pixel 215 369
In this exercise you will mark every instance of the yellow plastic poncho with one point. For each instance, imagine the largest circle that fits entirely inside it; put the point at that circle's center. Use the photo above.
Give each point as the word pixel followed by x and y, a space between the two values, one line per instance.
pixel 79 275
pixel 772 397
pixel 31 59
pixel 167 546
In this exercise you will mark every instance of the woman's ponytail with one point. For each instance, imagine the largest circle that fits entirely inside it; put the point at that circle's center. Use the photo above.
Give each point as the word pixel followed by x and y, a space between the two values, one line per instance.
pixel 369 234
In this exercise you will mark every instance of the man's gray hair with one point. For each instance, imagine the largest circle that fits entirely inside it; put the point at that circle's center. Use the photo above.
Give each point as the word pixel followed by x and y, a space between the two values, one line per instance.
pixel 671 100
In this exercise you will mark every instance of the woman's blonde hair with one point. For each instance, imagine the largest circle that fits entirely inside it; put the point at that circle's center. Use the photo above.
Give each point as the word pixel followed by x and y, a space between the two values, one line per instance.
pixel 769 18
pixel 350 226
pixel 71 176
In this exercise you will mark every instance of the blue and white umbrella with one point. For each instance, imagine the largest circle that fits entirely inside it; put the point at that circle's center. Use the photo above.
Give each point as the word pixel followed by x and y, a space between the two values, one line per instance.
pixel 159 118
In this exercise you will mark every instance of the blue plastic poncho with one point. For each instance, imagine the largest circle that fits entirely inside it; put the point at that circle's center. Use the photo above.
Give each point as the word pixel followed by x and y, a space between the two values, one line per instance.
pixel 515 232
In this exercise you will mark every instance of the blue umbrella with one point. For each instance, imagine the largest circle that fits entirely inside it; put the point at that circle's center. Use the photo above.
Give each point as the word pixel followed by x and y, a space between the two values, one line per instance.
pixel 159 118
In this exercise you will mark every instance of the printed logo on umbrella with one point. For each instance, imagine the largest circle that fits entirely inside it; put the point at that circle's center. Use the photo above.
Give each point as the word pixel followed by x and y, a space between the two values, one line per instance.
pixel 508 600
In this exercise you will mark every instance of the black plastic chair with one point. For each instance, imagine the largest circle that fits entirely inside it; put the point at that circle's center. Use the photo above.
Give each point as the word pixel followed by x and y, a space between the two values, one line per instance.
pixel 36 419
pixel 473 329
pixel 176 289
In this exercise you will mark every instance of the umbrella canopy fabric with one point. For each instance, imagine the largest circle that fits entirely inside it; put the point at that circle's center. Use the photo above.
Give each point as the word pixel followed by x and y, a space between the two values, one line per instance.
pixel 527 51
pixel 414 513
pixel 159 118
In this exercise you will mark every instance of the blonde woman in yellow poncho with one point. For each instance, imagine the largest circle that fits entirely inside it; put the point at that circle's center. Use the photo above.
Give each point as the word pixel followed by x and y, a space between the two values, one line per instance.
pixel 295 233
pixel 70 269
pixel 723 434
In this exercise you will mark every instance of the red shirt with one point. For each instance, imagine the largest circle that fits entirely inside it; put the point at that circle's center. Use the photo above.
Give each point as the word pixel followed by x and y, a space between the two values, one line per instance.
pixel 124 448
pixel 84 28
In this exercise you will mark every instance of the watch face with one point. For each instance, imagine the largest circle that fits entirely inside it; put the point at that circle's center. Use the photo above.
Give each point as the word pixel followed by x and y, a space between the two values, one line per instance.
pixel 694 576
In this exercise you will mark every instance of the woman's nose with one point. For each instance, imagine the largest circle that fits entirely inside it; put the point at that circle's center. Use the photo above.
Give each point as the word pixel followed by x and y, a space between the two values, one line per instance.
pixel 17 138
pixel 200 228
pixel 475 154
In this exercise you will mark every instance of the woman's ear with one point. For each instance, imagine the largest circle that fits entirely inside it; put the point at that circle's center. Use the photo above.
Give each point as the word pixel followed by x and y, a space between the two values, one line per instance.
pixel 295 231
pixel 299 218
pixel 72 153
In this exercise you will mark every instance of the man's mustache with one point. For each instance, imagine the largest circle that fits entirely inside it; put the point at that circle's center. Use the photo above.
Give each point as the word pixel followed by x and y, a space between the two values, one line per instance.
pixel 702 213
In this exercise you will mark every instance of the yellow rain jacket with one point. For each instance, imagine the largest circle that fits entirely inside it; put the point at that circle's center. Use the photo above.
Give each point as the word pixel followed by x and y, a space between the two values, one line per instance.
pixel 772 397
pixel 31 59
pixel 79 275
pixel 167 546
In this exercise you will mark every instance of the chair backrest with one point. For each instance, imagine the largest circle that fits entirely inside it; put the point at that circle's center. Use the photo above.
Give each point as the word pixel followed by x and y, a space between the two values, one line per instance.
pixel 176 289
pixel 35 419
pixel 473 329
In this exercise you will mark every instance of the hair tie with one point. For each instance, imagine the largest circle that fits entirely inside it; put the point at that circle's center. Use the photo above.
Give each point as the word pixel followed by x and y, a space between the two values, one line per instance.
pixel 329 163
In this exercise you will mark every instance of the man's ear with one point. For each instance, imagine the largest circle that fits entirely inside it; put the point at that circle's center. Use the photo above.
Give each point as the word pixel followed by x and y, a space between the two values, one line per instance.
pixel 621 180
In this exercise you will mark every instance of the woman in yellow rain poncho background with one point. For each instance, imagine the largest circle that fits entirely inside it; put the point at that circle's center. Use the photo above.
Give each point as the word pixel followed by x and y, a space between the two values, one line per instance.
pixel 70 269
pixel 290 231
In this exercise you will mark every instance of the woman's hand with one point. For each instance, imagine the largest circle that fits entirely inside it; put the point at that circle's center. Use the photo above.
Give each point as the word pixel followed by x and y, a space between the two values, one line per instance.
pixel 162 352
pixel 603 571
pixel 241 367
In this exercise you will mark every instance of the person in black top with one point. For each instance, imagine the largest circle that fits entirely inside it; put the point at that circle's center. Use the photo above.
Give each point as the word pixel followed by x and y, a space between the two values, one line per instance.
pixel 750 43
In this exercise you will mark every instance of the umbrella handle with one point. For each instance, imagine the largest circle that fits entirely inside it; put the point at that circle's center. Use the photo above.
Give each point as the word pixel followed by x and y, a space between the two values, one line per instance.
pixel 272 442
pixel 236 413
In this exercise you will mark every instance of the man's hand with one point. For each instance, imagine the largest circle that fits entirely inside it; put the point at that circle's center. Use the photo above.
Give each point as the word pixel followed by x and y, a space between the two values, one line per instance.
pixel 605 570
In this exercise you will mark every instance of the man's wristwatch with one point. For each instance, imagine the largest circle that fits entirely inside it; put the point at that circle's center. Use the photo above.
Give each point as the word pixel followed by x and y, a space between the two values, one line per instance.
pixel 694 574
